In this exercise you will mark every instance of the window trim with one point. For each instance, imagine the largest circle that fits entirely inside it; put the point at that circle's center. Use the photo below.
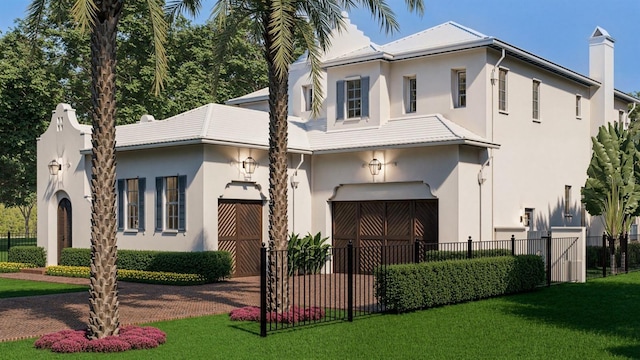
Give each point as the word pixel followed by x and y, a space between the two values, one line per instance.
pixel 567 200
pixel 410 85
pixel 461 96
pixel 622 118
pixel 123 205
pixel 161 204
pixel 535 100
pixel 307 98
pixel 578 106
pixel 342 101
pixel 503 90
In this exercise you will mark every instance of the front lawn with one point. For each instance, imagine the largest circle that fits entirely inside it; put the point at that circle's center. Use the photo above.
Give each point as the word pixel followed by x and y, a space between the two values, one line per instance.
pixel 596 320
pixel 15 288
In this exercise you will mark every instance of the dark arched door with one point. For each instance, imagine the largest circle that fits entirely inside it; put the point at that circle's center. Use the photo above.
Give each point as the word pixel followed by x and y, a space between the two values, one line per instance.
pixel 64 225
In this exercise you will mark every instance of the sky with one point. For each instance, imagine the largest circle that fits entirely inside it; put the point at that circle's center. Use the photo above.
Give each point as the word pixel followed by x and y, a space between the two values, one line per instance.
pixel 557 30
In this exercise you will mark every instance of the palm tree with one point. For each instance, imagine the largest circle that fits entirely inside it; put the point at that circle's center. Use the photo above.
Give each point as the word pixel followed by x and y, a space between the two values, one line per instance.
pixel 101 18
pixel 277 23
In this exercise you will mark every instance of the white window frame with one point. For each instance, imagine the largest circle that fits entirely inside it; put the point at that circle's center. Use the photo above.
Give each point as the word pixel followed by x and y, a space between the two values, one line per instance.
pixel 307 98
pixel 535 99
pixel 567 200
pixel 353 98
pixel 410 94
pixel 503 88
pixel 460 82
pixel 578 106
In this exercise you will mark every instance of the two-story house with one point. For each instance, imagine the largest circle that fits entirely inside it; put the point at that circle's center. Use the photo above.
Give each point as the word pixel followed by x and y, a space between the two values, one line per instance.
pixel 441 135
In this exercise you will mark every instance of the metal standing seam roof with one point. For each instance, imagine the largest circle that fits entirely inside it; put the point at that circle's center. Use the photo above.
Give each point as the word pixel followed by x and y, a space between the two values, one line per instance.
pixel 235 126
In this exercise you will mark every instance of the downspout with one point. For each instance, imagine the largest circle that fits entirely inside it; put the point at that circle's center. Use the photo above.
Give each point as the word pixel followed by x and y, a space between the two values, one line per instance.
pixel 294 186
pixel 493 111
pixel 481 181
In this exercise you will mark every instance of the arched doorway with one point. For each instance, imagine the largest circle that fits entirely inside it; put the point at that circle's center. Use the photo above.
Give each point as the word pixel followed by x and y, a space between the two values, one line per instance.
pixel 64 226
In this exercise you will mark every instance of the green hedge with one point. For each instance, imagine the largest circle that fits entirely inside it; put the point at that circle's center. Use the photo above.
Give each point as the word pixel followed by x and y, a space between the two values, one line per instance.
pixel 428 284
pixel 28 255
pixel 432 255
pixel 147 277
pixel 212 265
pixel 594 256
pixel 10 267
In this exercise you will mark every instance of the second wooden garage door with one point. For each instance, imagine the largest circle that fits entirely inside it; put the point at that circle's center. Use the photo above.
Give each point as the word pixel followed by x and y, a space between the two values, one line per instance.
pixel 240 233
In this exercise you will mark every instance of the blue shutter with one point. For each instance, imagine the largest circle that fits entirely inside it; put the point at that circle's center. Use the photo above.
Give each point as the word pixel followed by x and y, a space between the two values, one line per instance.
pixel 120 204
pixel 142 187
pixel 159 183
pixel 364 90
pixel 182 184
pixel 340 100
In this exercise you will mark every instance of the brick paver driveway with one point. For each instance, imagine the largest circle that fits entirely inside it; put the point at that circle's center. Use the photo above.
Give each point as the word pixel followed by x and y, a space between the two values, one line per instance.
pixel 26 317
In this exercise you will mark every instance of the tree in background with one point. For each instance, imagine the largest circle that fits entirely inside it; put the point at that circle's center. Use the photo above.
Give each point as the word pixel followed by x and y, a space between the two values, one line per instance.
pixel 25 85
pixel 276 23
pixel 611 189
pixel 101 18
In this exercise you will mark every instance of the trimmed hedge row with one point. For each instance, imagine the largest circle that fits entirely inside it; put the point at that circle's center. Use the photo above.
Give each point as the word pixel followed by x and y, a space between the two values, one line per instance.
pixel 147 277
pixel 211 265
pixel 417 286
pixel 594 256
pixel 459 255
pixel 11 267
pixel 28 255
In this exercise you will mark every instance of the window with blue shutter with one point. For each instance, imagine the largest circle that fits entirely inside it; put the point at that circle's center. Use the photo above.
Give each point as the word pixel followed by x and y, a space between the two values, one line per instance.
pixel 364 83
pixel 182 216
pixel 142 187
pixel 159 202
pixel 340 100
pixel 171 203
pixel 120 204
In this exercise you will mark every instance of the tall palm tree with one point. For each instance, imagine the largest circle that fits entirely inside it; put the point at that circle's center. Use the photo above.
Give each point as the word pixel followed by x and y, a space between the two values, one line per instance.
pixel 101 18
pixel 276 22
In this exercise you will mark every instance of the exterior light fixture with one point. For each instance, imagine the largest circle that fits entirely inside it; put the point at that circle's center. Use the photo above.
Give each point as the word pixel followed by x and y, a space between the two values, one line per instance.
pixel 54 167
pixel 375 166
pixel 249 165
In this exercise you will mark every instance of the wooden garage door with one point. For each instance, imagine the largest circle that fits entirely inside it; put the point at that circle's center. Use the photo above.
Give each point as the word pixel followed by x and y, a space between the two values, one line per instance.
pixel 371 224
pixel 240 233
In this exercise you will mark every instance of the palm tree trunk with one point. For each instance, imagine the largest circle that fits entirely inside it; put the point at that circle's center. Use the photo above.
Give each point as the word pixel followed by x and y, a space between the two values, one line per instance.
pixel 104 319
pixel 278 282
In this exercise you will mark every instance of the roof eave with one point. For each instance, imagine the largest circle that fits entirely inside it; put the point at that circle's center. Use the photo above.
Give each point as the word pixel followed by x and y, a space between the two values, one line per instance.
pixel 469 142
pixel 165 144
pixel 625 97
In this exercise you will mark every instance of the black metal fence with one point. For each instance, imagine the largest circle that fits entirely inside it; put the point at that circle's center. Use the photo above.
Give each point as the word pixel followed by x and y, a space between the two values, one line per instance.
pixel 607 255
pixel 10 240
pixel 342 288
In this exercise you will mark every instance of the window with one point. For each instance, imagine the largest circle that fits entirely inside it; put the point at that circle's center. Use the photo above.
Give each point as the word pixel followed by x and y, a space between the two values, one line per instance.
pixel 131 204
pixel 410 94
pixel 621 118
pixel 535 102
pixel 170 203
pixel 578 106
pixel 567 200
pixel 352 96
pixel 461 88
pixel 307 98
pixel 527 219
pixel 502 90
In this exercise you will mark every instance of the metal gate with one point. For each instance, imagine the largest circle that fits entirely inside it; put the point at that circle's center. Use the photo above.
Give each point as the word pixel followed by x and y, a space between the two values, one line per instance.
pixel 240 233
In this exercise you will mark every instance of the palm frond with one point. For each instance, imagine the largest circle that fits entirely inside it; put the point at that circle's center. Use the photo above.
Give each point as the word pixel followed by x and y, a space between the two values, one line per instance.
pixel 175 7
pixel 280 29
pixel 35 13
pixel 84 13
pixel 159 28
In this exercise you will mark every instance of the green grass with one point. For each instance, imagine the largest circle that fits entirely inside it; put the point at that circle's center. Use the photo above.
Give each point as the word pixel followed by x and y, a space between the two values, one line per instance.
pixel 15 288
pixel 596 320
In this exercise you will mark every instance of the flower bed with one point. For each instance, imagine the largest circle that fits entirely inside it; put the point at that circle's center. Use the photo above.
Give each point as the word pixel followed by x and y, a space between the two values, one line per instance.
pixel 294 315
pixel 9 267
pixel 148 277
pixel 130 338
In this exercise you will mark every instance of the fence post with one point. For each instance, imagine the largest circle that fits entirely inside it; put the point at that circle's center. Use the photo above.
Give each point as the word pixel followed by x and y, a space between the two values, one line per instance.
pixel 350 281
pixel 263 290
pixel 604 254
pixel 416 252
pixel 8 241
pixel 513 245
pixel 469 249
pixel 548 245
pixel 626 253
pixel 612 253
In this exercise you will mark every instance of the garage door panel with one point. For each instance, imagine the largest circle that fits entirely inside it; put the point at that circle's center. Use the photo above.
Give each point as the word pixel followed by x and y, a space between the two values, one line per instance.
pixel 249 215
pixel 345 220
pixel 226 220
pixel 398 219
pixel 249 257
pixel 240 233
pixel 371 219
pixel 426 221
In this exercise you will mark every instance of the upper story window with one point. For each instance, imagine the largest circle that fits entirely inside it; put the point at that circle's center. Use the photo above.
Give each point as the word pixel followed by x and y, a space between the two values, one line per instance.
pixel 461 88
pixel 578 106
pixel 131 204
pixel 621 118
pixel 410 94
pixel 170 203
pixel 352 98
pixel 307 98
pixel 535 101
pixel 567 200
pixel 502 90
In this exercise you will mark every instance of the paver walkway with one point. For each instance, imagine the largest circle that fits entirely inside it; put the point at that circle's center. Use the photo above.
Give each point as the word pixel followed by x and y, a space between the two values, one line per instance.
pixel 26 317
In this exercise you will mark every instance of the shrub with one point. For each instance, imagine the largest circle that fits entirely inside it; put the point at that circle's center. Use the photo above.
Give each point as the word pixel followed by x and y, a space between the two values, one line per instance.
pixel 148 277
pixel 416 286
pixel 28 255
pixel 294 315
pixel 308 254
pixel 130 337
pixel 9 267
pixel 211 265
pixel 439 255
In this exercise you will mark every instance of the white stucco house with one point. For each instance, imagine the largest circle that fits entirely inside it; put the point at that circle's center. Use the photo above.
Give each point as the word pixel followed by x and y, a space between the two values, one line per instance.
pixel 441 135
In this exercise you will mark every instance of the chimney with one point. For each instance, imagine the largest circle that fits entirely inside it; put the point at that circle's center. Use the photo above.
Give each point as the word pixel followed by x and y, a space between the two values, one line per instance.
pixel 601 69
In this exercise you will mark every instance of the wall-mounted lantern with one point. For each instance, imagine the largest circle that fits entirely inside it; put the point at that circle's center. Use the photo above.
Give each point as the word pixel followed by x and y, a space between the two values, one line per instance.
pixel 249 165
pixel 54 167
pixel 375 166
